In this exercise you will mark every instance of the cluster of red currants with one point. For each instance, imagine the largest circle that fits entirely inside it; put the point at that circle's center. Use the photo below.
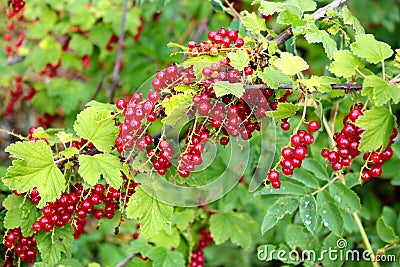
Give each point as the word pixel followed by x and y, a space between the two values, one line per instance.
pixel 347 141
pixel 162 160
pixel 220 71
pixel 111 41
pixel 292 157
pixel 194 148
pixel 374 159
pixel 217 40
pixel 197 258
pixel 172 77
pixel 16 95
pixel 16 5
pixel 50 69
pixel 24 247
pixel 132 130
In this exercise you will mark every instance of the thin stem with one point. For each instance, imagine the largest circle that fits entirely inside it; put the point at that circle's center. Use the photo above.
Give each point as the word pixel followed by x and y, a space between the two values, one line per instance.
pixel 365 238
pixel 328 131
pixel 126 260
pixel 13 134
pixel 383 70
pixel 325 186
pixel 235 13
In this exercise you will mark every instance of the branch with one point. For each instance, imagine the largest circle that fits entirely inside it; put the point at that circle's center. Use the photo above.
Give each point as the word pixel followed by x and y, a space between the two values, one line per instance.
pixel 14 60
pixel 99 86
pixel 319 14
pixel 345 86
pixel 126 260
pixel 115 76
pixel 235 13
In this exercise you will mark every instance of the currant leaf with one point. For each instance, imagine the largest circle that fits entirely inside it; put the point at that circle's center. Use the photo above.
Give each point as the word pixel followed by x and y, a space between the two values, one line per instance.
pixel 33 166
pixel 345 64
pixel 377 125
pixel 97 127
pixel 372 50
pixel 234 226
pixel 290 64
pixel 91 168
pixel 148 210
pixel 224 88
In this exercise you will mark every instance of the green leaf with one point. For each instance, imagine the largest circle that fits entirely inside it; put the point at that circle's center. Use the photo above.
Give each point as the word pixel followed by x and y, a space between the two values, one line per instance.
pixel 305 178
pixel 349 19
pixel 308 212
pixel 314 166
pixel 390 216
pixel 183 219
pixel 372 50
pixel 253 23
pixel 176 108
pixel 168 237
pixel 20 213
pixel 152 213
pixel 40 28
pixel 106 165
pixel 377 125
pixel 285 110
pixel 225 88
pixel 52 244
pixel 140 163
pixel 319 36
pixel 296 237
pixel 345 64
pixel 97 127
pixel 379 91
pixel 290 64
pixel 386 232
pixel 278 210
pixel 345 198
pixel 234 226
pixel 273 77
pixel 33 166
pixel 163 257
pixel 48 51
pixel 328 210
pixel 80 45
pixel 303 5
pixel 239 59
pixel 269 8
pixel 290 17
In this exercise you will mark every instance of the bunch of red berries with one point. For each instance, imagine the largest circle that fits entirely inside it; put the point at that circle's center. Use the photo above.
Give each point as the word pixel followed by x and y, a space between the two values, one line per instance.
pixel 292 157
pixel 132 130
pixel 217 41
pixel 374 160
pixel 347 141
pixel 16 5
pixel 24 247
pixel 194 148
pixel 162 160
pixel 15 95
pixel 197 259
pixel 172 77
